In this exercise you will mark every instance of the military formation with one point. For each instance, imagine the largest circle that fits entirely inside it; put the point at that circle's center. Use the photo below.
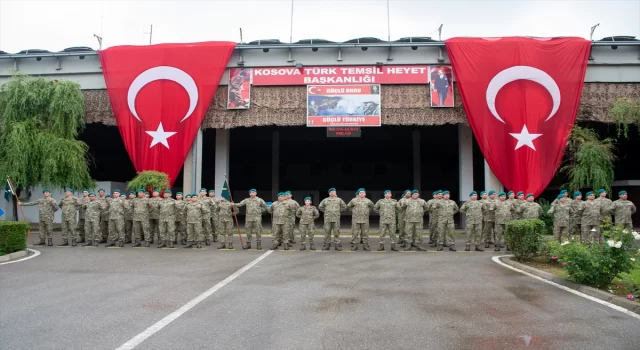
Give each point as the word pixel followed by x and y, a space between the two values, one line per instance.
pixel 197 219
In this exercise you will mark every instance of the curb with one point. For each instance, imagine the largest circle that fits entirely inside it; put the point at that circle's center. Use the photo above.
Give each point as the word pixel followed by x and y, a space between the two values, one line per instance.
pixel 13 256
pixel 592 292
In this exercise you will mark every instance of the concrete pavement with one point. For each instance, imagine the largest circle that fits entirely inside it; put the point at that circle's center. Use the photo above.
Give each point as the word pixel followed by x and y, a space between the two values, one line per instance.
pixel 80 298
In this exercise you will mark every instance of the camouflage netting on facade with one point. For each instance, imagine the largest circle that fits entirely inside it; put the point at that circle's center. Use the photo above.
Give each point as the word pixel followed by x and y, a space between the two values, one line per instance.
pixel 401 105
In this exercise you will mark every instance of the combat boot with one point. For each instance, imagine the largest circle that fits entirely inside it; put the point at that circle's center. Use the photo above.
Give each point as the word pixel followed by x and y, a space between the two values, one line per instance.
pixel 222 246
pixel 303 246
pixel 393 247
pixel 120 244
pixel 479 248
pixel 467 247
pixel 110 244
pixel 247 245
pixel 189 244
pixel 337 247
pixel 275 245
pixel 96 243
pixel 407 248
pixel 74 243
pixel 365 246
pixel 354 247
pixel 326 246
pixel 507 248
pixel 286 246
pixel 486 245
pixel 215 238
pixel 403 244
pixel 88 244
pixel 420 248
pixel 258 245
pixel 230 245
pixel 170 244
pixel 183 241
pixel 207 241
pixel 147 244
pixel 434 244
pixel 497 247
pixel 381 247
pixel 137 244
pixel 65 243
pixel 162 244
pixel 50 242
pixel 199 244
pixel 439 248
pixel 452 248
pixel 81 240
pixel 312 246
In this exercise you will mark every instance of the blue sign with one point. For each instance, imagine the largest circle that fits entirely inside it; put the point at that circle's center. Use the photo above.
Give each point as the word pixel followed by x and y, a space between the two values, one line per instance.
pixel 268 204
pixel 1 212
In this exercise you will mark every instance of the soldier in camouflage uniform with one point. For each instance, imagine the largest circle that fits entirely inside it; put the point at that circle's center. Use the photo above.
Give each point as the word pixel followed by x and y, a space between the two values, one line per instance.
pixel 360 208
pixel 154 215
pixel 69 205
pixel 530 209
pixel 128 218
pixel 207 229
pixel 226 210
pixel 253 218
pixel 140 207
pixel 292 217
pixel 575 223
pixel 402 234
pixel 194 222
pixel 116 220
pixel 591 213
pixel 622 209
pixel 445 210
pixel 433 221
pixel 519 202
pixel 504 210
pixel 92 212
pixel 605 203
pixel 48 206
pixel 473 221
pixel 80 227
pixel 104 216
pixel 387 208
pixel 280 212
pixel 213 202
pixel 561 213
pixel 167 211
pixel 307 215
pixel 181 224
pixel 563 193
pixel 414 220
pixel 489 219
pixel 332 206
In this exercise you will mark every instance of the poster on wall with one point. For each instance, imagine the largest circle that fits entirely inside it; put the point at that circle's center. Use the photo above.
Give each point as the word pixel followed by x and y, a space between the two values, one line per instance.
pixel 239 88
pixel 343 105
pixel 441 87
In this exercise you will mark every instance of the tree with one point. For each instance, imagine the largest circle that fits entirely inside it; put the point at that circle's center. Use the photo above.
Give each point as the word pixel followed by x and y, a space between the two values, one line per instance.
pixel 149 180
pixel 626 111
pixel 589 161
pixel 39 122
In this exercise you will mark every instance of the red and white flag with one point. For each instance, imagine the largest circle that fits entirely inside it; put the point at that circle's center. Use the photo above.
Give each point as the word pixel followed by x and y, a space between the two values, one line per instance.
pixel 521 96
pixel 159 95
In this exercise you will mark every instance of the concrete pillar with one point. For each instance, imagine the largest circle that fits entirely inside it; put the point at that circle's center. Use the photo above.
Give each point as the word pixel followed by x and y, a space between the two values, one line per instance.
pixel 416 159
pixel 192 177
pixel 465 165
pixel 275 164
pixel 491 182
pixel 222 159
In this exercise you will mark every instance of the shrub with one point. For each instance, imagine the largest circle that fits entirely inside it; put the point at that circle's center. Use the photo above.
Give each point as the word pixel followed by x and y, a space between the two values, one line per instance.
pixel 546 218
pixel 550 249
pixel 13 236
pixel 524 237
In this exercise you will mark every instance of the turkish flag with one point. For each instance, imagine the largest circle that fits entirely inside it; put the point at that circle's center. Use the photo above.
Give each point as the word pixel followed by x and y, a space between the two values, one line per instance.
pixel 521 96
pixel 159 95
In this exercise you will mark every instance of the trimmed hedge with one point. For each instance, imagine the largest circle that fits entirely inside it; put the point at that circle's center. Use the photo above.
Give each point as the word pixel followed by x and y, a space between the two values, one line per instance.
pixel 524 237
pixel 13 236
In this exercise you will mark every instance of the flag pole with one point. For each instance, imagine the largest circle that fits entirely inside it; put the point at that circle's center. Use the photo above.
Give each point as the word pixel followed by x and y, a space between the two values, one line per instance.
pixel 18 204
pixel 233 211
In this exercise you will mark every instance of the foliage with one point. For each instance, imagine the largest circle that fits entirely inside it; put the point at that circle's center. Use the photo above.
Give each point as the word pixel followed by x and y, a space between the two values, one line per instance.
pixel 551 249
pixel 524 237
pixel 149 180
pixel 546 218
pixel 13 236
pixel 588 160
pixel 626 111
pixel 39 122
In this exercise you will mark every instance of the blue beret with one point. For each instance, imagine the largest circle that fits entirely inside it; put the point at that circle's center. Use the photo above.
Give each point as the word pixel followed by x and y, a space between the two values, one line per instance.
pixel 146 192
pixel 510 192
pixel 501 194
pixel 203 189
pixel 472 193
pixel 92 194
pixel 445 192
pixel 600 191
pixel 359 190
pixel 212 191
pixel 178 193
pixel 141 190
pixel 331 189
pixel 156 190
pixel 492 192
pixel 287 192
pixel 520 193
pixel 45 190
pixel 280 194
pixel 414 191
pixel 529 195
pixel 107 196
pixel 167 191
pixel 483 192
pixel 116 190
pixel 563 191
pixel 100 190
pixel 85 190
pixel 577 193
pixel 622 192
pixel 590 193
pixel 133 193
pixel 407 191
pixel 69 189
pixel 438 192
pixel 307 198
pixel 561 195
pixel 252 190
pixel 386 191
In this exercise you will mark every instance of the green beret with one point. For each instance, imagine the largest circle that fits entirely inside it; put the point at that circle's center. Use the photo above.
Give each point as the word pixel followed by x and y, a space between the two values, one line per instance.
pixel 331 189
pixel 156 190
pixel 529 195
pixel 561 195
pixel 212 191
pixel 178 193
pixel 252 190
pixel 406 191
pixel 483 192
pixel 445 192
pixel 434 193
pixel 622 192
pixel 438 192
pixel 116 190
pixel 577 193
pixel 187 196
pixel 167 191
pixel 85 190
pixel 520 193
pixel 501 194
pixel 602 190
pixel 472 193
pixel 100 190
pixel 386 191
pixel 492 192
pixel 203 189
pixel 563 191
pixel 280 194
pixel 590 193
pixel 414 191
pixel 287 192
pixel 510 192
pixel 107 196
pixel 359 190
pixel 45 190
pixel 146 192
pixel 69 189
pixel 133 193
pixel 307 198
pixel 92 194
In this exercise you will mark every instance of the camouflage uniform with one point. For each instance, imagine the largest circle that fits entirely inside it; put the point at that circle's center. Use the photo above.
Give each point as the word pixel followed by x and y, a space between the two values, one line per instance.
pixel 360 209
pixel 402 237
pixel 194 214
pixel 207 228
pixel 116 221
pixel 69 205
pixel 473 222
pixel 253 218
pixel 48 206
pixel 167 221
pixel 503 214
pixel 433 221
pixel 530 210
pixel 561 213
pixel 92 213
pixel 215 218
pixel 128 221
pixel 591 212
pixel 605 203
pixel 622 209
pixel 445 210
pixel 181 224
pixel 332 207
pixel 104 219
pixel 80 227
pixel 280 213
pixel 414 220
pixel 291 225
pixel 225 212
pixel 154 218
pixel 387 208
pixel 307 216
pixel 518 214
pixel 489 221
pixel 575 226
pixel 141 219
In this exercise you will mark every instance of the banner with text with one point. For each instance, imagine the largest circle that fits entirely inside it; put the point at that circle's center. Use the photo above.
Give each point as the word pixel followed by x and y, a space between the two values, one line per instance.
pixel 384 74
pixel 239 88
pixel 343 105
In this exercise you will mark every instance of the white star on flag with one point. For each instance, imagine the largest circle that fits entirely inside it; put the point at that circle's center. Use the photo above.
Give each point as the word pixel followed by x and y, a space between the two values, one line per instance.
pixel 525 138
pixel 160 136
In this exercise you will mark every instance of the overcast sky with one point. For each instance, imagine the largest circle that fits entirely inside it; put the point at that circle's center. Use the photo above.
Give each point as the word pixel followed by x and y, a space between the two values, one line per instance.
pixel 54 25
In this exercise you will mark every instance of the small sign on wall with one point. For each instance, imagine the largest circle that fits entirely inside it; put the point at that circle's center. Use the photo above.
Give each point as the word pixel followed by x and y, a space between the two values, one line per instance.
pixel 344 132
